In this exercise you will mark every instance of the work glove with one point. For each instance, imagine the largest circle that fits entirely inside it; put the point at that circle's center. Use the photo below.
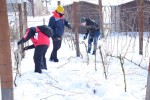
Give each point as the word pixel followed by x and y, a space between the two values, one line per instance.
pixel 25 48
pixel 18 42
pixel 93 30
pixel 69 26
pixel 85 37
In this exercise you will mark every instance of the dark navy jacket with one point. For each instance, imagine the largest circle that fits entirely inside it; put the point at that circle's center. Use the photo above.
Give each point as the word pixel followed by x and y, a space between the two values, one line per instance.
pixel 92 27
pixel 57 24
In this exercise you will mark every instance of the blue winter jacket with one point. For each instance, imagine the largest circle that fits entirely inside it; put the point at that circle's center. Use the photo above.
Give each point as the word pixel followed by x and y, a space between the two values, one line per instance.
pixel 58 25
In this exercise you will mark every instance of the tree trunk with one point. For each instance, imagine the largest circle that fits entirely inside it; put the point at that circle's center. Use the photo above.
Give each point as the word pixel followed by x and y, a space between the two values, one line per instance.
pixel 5 55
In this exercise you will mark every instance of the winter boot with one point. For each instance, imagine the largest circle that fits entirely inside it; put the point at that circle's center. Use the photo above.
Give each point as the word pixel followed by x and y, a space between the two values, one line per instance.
pixel 56 60
pixel 38 71
pixel 93 53
pixel 51 59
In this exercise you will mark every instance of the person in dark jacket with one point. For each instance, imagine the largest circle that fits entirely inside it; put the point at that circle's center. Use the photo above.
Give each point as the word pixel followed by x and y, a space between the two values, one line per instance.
pixel 57 23
pixel 93 29
pixel 40 37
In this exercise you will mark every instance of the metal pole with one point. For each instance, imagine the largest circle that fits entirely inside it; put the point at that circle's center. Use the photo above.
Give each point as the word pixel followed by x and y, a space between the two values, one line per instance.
pixel 5 55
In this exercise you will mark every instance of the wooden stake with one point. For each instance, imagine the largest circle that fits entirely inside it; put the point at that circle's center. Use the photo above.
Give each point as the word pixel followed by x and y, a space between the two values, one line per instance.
pixel 140 24
pixel 75 22
pixel 101 18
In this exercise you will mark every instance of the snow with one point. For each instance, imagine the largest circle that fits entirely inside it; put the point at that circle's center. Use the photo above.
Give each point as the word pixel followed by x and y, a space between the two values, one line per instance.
pixel 72 78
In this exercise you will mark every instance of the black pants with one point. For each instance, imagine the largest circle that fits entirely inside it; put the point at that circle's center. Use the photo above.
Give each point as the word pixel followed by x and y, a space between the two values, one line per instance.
pixel 39 58
pixel 56 47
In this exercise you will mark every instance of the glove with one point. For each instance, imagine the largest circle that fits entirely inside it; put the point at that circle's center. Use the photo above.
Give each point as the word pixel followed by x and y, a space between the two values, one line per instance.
pixel 18 42
pixel 91 39
pixel 69 27
pixel 93 29
pixel 85 37
pixel 25 48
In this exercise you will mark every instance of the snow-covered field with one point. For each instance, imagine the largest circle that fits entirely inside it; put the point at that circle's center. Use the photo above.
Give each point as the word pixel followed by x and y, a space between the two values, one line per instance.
pixel 73 79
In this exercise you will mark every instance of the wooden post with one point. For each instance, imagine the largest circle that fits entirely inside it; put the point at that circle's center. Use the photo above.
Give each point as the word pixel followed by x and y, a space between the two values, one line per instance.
pixel 0 90
pixel 5 55
pixel 25 21
pixel 46 6
pixel 75 24
pixel 140 24
pixel 58 3
pixel 148 84
pixel 101 19
pixel 32 4
pixel 21 26
pixel 25 16
pixel 43 21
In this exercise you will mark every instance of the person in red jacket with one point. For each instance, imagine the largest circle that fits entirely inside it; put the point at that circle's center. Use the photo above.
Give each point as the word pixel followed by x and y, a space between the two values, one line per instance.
pixel 40 37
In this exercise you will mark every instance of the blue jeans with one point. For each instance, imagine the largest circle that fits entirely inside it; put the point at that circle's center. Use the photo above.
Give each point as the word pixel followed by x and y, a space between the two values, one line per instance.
pixel 95 39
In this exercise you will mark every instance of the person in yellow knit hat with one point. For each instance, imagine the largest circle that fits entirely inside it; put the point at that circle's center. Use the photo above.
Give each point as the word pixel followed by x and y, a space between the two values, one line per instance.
pixel 57 23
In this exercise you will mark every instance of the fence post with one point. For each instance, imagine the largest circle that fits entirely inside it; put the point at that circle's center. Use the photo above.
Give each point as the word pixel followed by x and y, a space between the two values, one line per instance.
pixel 0 89
pixel 75 24
pixel 32 3
pixel 101 19
pixel 148 83
pixel 43 21
pixel 25 16
pixel 21 27
pixel 58 3
pixel 140 4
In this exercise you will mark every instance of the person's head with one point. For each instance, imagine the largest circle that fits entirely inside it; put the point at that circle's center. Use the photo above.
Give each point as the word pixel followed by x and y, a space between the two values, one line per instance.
pixel 82 21
pixel 60 10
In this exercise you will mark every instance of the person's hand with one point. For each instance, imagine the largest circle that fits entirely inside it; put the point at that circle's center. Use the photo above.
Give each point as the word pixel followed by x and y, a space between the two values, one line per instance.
pixel 18 43
pixel 69 27
pixel 85 37
pixel 93 29
pixel 25 48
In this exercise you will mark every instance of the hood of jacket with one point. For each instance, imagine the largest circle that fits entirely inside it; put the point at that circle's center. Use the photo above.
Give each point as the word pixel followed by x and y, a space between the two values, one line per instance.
pixel 46 30
pixel 56 15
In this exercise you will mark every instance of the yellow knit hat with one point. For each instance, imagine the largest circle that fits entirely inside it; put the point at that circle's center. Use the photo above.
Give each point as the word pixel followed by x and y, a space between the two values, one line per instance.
pixel 60 9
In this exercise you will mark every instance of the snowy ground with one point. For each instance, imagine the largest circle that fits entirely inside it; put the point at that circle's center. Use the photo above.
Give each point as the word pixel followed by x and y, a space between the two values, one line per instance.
pixel 73 79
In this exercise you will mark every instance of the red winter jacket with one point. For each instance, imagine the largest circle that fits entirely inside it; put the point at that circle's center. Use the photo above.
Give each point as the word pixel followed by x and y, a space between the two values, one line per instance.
pixel 38 35
pixel 40 38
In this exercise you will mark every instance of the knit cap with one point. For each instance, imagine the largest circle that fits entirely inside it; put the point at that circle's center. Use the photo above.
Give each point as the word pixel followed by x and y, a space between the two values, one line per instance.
pixel 60 9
